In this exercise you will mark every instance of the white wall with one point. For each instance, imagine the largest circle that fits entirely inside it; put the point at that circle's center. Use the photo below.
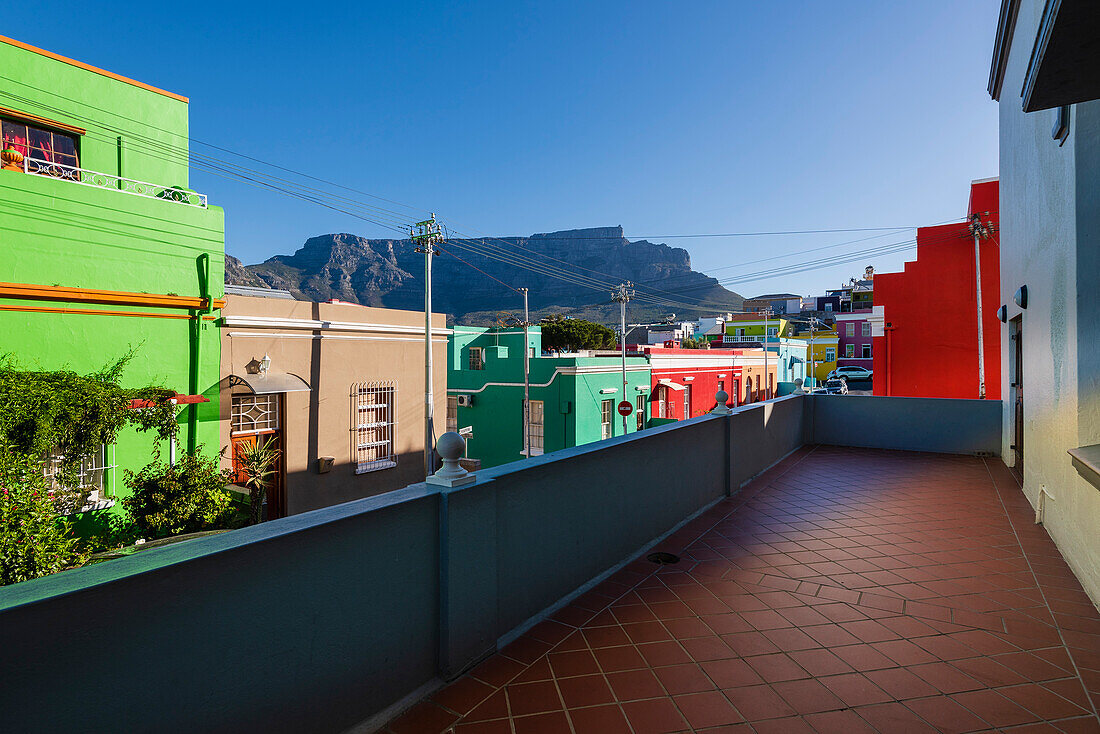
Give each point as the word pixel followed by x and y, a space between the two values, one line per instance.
pixel 1039 243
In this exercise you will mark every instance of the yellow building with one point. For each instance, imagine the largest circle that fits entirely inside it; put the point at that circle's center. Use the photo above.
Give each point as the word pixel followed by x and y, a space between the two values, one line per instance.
pixel 824 343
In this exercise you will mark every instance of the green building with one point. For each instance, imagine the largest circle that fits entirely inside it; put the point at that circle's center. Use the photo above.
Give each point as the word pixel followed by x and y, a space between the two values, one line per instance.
pixel 574 397
pixel 106 251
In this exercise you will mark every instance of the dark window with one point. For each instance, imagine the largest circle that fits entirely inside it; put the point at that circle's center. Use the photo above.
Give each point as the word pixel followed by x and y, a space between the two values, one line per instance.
pixel 44 145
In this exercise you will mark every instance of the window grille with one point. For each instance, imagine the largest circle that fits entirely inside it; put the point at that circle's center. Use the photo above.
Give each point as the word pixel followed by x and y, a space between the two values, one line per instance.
pixel 255 413
pixel 452 413
pixel 538 422
pixel 866 351
pixel 662 401
pixel 374 425
pixel 605 418
pixel 91 477
pixel 851 328
pixel 687 401
pixel 640 412
pixel 866 328
pixel 477 361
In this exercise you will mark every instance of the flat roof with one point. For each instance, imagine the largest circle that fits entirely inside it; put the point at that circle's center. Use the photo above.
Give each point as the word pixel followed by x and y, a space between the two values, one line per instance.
pixel 89 67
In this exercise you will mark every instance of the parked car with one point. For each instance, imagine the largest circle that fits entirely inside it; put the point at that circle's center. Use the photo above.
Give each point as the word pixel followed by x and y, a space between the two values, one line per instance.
pixel 856 374
pixel 836 386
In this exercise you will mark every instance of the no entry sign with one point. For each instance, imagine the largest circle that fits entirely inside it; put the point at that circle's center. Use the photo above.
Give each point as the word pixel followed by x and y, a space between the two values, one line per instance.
pixel 625 408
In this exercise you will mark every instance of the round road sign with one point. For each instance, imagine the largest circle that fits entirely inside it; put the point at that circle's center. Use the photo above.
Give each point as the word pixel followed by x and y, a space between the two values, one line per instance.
pixel 625 408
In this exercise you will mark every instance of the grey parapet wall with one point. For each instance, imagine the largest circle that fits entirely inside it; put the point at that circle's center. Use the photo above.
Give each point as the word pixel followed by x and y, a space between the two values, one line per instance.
pixel 938 425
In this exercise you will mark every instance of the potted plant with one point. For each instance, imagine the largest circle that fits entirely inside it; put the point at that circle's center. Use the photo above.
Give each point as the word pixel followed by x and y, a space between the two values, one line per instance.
pixel 257 462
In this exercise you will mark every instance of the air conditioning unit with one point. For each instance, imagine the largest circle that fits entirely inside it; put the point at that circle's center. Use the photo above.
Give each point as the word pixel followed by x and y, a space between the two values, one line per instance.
pixel 465 401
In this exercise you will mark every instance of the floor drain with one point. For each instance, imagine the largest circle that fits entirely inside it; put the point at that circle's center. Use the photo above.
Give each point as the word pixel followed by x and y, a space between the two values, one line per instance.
pixel 663 558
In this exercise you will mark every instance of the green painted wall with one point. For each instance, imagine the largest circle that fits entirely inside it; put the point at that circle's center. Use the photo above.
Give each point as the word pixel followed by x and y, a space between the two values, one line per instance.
pixel 57 232
pixel 571 402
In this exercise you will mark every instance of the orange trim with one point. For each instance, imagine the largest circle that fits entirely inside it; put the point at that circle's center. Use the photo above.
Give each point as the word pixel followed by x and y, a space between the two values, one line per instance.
pixel 88 67
pixel 93 312
pixel 45 121
pixel 32 292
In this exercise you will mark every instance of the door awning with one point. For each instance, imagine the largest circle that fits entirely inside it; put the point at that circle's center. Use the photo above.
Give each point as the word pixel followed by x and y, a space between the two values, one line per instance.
pixel 670 383
pixel 272 382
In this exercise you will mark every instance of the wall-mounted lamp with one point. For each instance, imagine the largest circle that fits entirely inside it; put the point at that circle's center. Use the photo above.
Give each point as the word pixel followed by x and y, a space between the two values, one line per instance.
pixel 1021 297
pixel 265 364
pixel 1002 314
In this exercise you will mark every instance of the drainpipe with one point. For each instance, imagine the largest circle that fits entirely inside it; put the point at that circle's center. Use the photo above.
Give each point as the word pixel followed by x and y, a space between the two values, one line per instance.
pixel 979 230
pixel 203 264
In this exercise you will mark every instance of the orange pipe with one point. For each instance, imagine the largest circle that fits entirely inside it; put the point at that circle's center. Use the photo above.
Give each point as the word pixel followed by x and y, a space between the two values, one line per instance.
pixel 32 292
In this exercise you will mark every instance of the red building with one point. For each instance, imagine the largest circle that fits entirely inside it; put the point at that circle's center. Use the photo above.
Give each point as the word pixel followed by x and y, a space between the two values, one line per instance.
pixel 925 322
pixel 685 380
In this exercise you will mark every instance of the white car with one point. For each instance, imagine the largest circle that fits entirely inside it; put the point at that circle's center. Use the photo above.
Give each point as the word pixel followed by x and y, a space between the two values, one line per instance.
pixel 856 374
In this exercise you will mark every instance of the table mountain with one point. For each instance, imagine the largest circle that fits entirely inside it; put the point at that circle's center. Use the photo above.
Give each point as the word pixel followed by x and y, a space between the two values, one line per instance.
pixel 388 273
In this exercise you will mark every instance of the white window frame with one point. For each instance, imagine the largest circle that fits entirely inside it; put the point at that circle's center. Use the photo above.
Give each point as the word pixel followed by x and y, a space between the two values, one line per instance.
pixel 250 414
pixel 849 351
pixel 607 408
pixel 687 402
pixel 866 351
pixel 830 354
pixel 866 328
pixel 374 425
pixel 639 412
pixel 91 476
pixel 850 328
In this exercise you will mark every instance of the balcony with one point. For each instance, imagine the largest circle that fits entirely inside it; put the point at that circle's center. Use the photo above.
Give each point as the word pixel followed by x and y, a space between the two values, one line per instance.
pixel 827 580
pixel 131 186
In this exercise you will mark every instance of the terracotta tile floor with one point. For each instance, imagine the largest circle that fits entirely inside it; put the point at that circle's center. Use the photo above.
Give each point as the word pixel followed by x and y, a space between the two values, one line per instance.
pixel 845 590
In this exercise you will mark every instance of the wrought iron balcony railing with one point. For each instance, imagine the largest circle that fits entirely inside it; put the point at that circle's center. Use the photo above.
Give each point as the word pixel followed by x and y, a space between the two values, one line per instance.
pixel 116 183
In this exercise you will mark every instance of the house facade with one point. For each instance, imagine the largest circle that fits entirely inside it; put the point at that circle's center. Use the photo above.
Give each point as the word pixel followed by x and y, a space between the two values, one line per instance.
pixel 685 381
pixel 854 340
pixel 106 250
pixel 1045 76
pixel 928 345
pixel 338 388
pixel 574 397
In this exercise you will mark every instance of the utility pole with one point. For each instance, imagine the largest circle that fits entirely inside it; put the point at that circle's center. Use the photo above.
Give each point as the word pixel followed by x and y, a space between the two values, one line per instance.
pixel 980 232
pixel 813 378
pixel 526 376
pixel 623 293
pixel 767 378
pixel 425 235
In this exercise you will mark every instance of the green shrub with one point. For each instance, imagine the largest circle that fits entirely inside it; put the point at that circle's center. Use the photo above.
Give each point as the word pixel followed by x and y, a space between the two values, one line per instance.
pixel 185 498
pixel 33 540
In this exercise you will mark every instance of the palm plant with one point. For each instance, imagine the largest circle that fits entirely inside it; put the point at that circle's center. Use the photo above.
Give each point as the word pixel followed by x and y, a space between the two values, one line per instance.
pixel 257 461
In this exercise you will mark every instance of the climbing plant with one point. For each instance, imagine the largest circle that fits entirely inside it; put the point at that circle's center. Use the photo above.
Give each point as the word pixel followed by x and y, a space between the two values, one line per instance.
pixel 72 415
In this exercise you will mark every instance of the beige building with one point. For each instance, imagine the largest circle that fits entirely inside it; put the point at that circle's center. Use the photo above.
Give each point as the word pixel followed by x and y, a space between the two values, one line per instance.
pixel 338 387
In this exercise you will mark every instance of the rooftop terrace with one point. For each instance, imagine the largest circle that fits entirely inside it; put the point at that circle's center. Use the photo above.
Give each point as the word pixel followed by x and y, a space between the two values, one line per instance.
pixel 846 590
pixel 827 581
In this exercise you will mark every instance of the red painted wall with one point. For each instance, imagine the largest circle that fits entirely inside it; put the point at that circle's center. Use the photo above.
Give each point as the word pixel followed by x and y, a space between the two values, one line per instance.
pixel 930 342
pixel 737 366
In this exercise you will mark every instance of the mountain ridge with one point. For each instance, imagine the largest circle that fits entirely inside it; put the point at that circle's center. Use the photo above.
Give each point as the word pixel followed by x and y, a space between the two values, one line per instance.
pixel 388 273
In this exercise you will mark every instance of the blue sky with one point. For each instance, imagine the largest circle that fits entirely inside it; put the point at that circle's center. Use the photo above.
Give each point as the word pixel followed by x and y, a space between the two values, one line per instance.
pixel 509 118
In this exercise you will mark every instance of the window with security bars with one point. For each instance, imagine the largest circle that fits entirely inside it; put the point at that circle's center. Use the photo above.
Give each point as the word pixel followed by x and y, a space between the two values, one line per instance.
pixel 538 427
pixel 606 406
pixel 477 360
pixel 374 425
pixel 255 414
pixel 452 413
pixel 91 477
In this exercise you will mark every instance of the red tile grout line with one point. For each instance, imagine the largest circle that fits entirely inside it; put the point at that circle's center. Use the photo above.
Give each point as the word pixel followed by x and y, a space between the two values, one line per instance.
pixel 1027 558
